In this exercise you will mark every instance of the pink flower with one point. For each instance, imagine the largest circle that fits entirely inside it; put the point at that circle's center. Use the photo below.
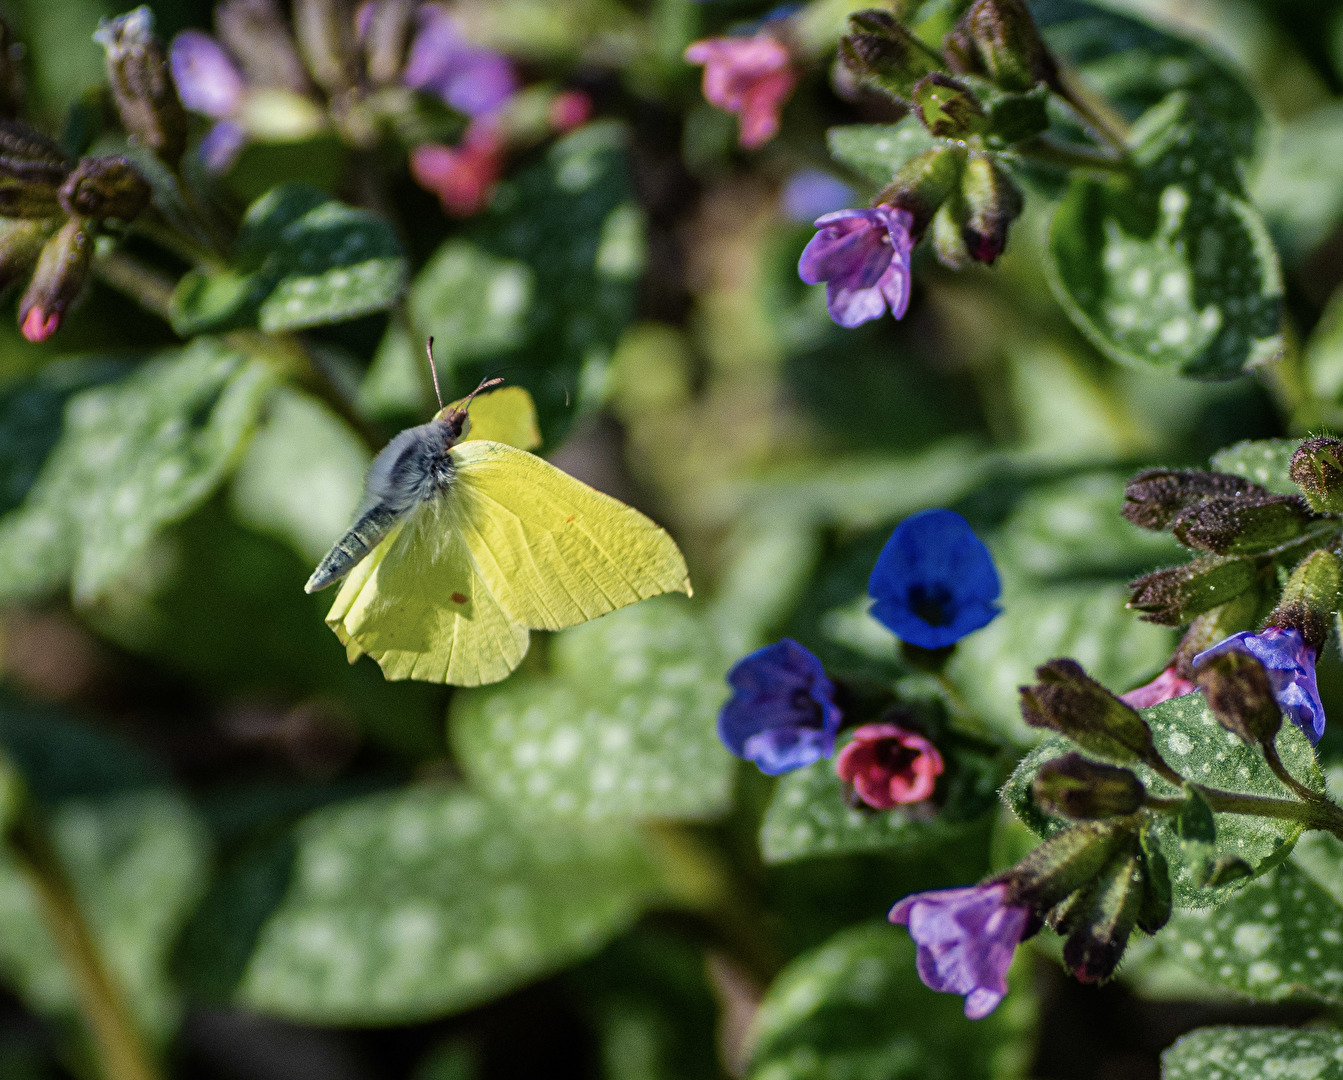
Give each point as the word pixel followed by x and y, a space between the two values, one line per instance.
pixel 39 325
pixel 888 765
pixel 461 176
pixel 569 110
pixel 751 77
pixel 1165 686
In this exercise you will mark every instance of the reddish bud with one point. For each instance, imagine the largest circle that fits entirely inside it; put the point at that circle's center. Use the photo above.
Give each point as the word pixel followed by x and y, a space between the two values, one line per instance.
pixel 889 766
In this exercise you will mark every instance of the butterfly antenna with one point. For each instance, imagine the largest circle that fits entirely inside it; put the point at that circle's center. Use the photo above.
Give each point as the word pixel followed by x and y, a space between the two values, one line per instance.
pixel 466 401
pixel 433 370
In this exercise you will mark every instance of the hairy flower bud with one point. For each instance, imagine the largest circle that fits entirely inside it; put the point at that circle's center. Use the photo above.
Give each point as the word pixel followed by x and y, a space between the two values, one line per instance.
pixel 947 236
pixel 1241 525
pixel 1155 498
pixel 1172 597
pixel 999 39
pixel 1240 695
pixel 256 33
pixel 1157 900
pixel 137 69
pixel 884 54
pixel 1076 787
pixel 62 270
pixel 1098 925
pixel 21 241
pixel 1069 701
pixel 326 30
pixel 1317 469
pixel 1067 861
pixel 105 187
pixel 992 203
pixel 1310 597
pixel 32 170
pixel 923 184
pixel 1241 613
pixel 947 108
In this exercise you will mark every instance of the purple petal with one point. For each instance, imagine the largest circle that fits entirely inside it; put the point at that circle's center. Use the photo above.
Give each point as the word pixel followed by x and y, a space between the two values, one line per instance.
pixel 221 146
pixel 471 79
pixel 853 307
pixel 810 193
pixel 207 80
pixel 1290 664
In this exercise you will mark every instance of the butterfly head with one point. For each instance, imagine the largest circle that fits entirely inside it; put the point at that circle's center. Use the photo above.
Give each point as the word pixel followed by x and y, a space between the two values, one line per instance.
pixel 456 418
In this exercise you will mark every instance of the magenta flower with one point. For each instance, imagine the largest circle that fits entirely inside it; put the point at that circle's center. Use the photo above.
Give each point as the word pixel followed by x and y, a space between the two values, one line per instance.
pixel 463 176
pixel 1165 686
pixel 472 79
pixel 1290 664
pixel 966 938
pixel 749 76
pixel 863 257
pixel 889 766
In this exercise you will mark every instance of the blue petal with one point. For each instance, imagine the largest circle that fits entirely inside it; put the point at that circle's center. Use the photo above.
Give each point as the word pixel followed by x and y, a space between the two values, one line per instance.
pixel 936 555
pixel 764 720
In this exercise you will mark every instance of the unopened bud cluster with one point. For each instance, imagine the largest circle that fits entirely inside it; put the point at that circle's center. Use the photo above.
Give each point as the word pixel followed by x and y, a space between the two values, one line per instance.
pixel 984 91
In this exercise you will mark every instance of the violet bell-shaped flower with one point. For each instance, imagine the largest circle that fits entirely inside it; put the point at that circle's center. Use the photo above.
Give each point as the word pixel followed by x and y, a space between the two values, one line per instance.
pixel 965 938
pixel 782 713
pixel 472 79
pixel 749 76
pixel 1169 684
pixel 863 257
pixel 1290 664
pixel 209 83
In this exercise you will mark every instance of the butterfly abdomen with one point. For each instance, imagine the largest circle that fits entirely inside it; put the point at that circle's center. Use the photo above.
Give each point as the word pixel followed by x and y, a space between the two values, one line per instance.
pixel 361 538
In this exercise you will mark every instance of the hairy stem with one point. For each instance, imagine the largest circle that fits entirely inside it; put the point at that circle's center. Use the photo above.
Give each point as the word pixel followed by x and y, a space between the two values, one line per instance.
pixel 1316 814
pixel 121 1048
pixel 1094 111
pixel 1280 771
pixel 148 287
pixel 1067 156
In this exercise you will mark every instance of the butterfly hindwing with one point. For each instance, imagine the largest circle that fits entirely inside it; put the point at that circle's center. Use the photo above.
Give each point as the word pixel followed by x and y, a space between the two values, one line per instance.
pixel 553 551
pixel 417 605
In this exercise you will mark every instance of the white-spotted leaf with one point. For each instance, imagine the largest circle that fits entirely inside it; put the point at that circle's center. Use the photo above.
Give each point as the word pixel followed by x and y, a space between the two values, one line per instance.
pixel 1255 1053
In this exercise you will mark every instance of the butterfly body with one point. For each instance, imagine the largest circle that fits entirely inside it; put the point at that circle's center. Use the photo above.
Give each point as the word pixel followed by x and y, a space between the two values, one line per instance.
pixel 465 544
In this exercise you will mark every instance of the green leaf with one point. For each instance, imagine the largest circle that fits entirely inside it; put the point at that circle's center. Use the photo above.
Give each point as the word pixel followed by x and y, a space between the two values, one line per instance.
pixel 1299 187
pixel 1189 738
pixel 133 457
pixel 854 1009
pixel 878 151
pixel 624 726
pixel 302 259
pixel 1086 622
pixel 417 903
pixel 809 816
pixel 1252 1053
pixel 1175 269
pixel 1265 461
pixel 302 476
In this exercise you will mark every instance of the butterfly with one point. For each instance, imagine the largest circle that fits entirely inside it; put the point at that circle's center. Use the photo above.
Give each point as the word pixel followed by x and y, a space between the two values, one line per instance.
pixel 464 544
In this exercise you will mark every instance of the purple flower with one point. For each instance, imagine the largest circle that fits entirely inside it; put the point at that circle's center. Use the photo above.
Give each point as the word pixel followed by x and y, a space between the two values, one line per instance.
pixel 863 257
pixel 782 712
pixel 966 938
pixel 934 581
pixel 473 80
pixel 207 80
pixel 1290 664
pixel 809 193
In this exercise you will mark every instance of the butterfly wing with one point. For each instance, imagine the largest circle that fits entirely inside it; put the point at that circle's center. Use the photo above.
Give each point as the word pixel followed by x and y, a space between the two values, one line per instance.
pixel 552 551
pixel 419 607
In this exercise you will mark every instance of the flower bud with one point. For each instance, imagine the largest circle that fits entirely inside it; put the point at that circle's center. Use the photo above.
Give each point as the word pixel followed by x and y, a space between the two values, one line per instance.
pixel 1241 525
pixel 1099 924
pixel 946 107
pixel 1067 861
pixel 137 69
pixel 1240 695
pixel 884 54
pixel 62 270
pixel 1310 597
pixel 1226 869
pixel 1154 499
pixel 923 184
pixel 1157 901
pixel 32 170
pixel 1069 701
pixel 1317 469
pixel 1076 787
pixel 21 241
pixel 992 203
pixel 1173 596
pixel 325 30
pixel 948 239
pixel 257 34
pixel 1241 613
pixel 105 187
pixel 999 39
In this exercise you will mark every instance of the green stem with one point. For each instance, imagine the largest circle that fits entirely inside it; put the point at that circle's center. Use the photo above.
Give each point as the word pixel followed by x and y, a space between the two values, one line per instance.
pixel 1317 814
pixel 1074 157
pixel 1280 771
pixel 148 287
pixel 1096 113
pixel 121 1049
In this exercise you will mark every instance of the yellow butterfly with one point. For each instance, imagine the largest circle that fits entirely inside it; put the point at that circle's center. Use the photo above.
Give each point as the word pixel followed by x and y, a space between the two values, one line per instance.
pixel 465 544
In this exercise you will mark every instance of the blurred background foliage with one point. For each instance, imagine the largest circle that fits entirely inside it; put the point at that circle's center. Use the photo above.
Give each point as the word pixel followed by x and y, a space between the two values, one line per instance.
pixel 286 867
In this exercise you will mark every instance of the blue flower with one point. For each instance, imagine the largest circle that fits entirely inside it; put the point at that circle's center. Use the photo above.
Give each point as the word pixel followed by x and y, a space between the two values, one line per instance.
pixel 1290 664
pixel 934 581
pixel 812 193
pixel 782 712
